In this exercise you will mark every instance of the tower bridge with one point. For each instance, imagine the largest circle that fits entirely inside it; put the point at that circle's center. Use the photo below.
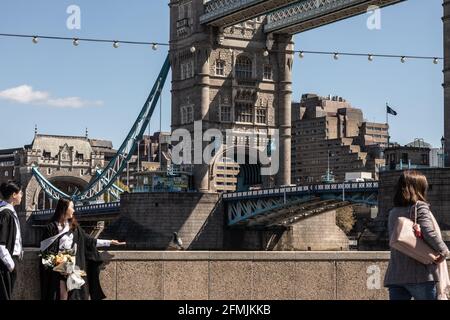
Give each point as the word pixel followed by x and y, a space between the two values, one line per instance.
pixel 231 64
pixel 286 16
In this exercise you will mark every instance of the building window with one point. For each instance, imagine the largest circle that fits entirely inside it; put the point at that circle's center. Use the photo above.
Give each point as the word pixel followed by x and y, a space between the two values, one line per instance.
pixel 187 69
pixel 46 155
pixel 183 115
pixel 49 170
pixel 6 173
pixel 220 68
pixel 81 172
pixel 243 68
pixel 261 115
pixel 79 156
pixel 187 114
pixel 244 112
pixel 267 72
pixel 425 158
pixel 225 113
pixel 184 11
pixel 190 114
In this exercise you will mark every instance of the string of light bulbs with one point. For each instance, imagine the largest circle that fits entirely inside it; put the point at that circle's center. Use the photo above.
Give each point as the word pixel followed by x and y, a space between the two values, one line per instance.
pixel 76 41
pixel 154 45
pixel 370 56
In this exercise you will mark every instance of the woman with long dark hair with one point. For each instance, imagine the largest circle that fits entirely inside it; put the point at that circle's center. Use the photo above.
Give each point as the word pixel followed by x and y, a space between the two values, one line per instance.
pixel 406 277
pixel 10 238
pixel 61 234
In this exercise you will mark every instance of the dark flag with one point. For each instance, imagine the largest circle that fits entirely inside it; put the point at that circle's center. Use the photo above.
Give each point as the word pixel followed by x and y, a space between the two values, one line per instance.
pixel 391 111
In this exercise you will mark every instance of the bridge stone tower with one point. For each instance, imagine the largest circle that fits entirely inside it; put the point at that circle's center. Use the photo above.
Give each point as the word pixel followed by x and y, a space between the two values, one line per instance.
pixel 446 20
pixel 226 78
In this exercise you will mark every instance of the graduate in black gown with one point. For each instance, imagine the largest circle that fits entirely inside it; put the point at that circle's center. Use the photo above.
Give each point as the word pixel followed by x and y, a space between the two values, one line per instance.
pixel 64 233
pixel 10 238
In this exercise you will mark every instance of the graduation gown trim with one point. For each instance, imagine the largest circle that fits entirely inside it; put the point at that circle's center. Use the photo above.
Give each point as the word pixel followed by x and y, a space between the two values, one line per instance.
pixel 8 239
pixel 87 258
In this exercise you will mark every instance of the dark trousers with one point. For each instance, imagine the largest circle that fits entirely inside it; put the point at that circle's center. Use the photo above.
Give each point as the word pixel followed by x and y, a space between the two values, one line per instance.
pixel 7 281
pixel 418 291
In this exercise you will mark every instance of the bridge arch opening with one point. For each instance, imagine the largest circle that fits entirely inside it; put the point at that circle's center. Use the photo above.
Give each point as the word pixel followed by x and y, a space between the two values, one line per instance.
pixel 228 175
pixel 68 185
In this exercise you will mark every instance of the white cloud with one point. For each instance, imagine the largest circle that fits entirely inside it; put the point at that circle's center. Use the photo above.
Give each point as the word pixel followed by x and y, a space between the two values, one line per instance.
pixel 72 102
pixel 26 95
pixel 23 94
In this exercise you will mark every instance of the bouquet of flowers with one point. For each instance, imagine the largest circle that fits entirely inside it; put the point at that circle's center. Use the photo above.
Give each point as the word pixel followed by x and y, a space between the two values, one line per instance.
pixel 59 261
pixel 64 263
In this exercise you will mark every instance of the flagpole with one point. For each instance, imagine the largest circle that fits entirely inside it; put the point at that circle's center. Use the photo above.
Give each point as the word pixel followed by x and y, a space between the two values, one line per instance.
pixel 387 123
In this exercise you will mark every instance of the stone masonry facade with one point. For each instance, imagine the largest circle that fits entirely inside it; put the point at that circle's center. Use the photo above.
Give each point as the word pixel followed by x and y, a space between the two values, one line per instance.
pixel 228 80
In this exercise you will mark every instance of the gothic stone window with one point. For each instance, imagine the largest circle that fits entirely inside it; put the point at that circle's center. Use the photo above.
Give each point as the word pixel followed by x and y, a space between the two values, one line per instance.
pixel 220 68
pixel 187 69
pixel 244 112
pixel 184 19
pixel 261 115
pixel 187 114
pixel 79 156
pixel 184 11
pixel 243 68
pixel 268 75
pixel 225 113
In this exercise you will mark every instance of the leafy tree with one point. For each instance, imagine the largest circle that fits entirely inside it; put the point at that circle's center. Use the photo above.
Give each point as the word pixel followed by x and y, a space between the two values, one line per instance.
pixel 345 219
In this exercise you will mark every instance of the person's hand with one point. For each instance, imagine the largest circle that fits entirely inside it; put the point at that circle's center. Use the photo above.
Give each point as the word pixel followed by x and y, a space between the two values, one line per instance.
pixel 118 243
pixel 439 259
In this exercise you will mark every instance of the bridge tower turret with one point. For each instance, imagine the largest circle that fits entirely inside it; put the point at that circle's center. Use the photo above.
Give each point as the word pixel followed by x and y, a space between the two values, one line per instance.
pixel 231 78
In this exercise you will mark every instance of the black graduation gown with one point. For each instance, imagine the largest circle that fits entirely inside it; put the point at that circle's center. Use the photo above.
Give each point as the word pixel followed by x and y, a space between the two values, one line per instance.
pixel 87 259
pixel 7 238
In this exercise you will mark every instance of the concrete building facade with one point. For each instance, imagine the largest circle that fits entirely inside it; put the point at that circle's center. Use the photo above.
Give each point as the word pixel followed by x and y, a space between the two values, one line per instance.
pixel 329 132
pixel 416 154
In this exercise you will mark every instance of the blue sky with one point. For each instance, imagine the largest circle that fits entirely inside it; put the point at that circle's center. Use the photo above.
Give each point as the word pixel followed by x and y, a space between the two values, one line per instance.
pixel 111 85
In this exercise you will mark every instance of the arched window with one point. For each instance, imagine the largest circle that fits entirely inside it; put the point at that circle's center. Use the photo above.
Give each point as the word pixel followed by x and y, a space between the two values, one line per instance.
pixel 243 68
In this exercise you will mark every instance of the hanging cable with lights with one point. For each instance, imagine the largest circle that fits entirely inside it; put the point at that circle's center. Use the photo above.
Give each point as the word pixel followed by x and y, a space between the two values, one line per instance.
pixel 76 41
pixel 154 45
pixel 370 56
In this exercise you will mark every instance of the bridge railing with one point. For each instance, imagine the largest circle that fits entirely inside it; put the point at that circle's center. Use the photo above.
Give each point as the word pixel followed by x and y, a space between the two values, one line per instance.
pixel 347 186
pixel 83 209
pixel 218 8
